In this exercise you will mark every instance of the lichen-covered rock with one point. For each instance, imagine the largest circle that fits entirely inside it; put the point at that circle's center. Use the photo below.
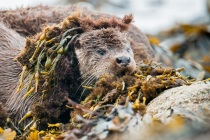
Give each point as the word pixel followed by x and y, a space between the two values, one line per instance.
pixel 178 113
pixel 194 98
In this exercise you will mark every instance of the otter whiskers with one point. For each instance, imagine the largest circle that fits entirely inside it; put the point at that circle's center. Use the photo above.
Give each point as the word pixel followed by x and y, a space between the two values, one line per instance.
pixel 88 81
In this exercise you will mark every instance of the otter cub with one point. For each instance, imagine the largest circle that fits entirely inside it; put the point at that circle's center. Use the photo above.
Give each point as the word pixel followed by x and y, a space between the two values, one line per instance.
pixel 108 53
pixel 103 46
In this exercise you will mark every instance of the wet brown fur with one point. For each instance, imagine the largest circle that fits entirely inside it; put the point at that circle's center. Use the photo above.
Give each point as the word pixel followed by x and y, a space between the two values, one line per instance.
pixel 67 67
pixel 10 43
pixel 3 116
pixel 31 20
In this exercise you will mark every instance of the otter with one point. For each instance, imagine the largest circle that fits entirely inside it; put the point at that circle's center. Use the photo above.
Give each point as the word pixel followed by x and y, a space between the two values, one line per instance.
pixel 106 45
pixel 31 20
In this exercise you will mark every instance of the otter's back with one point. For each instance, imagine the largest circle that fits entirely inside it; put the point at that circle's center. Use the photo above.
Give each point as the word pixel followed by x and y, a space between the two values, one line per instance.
pixel 10 45
pixel 31 20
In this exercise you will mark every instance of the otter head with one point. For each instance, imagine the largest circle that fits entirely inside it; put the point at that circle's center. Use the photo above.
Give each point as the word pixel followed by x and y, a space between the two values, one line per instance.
pixel 104 51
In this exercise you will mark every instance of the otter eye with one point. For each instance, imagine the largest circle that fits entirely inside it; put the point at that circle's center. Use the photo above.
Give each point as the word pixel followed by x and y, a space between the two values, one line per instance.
pixel 110 47
pixel 101 52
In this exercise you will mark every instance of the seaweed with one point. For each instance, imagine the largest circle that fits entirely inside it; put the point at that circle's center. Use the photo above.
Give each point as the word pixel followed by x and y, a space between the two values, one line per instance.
pixel 146 83
pixel 50 70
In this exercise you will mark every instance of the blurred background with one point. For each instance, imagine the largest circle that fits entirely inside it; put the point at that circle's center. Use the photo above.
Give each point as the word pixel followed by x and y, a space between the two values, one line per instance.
pixel 151 16
pixel 178 30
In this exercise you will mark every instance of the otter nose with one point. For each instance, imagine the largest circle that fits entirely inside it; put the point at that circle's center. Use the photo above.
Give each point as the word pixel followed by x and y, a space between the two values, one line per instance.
pixel 124 61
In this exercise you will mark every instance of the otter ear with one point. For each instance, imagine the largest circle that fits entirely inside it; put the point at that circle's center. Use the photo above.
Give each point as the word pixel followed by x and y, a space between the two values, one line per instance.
pixel 124 24
pixel 127 19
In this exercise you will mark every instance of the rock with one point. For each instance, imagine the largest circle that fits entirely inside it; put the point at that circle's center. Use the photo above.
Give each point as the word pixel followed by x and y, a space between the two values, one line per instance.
pixel 185 100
